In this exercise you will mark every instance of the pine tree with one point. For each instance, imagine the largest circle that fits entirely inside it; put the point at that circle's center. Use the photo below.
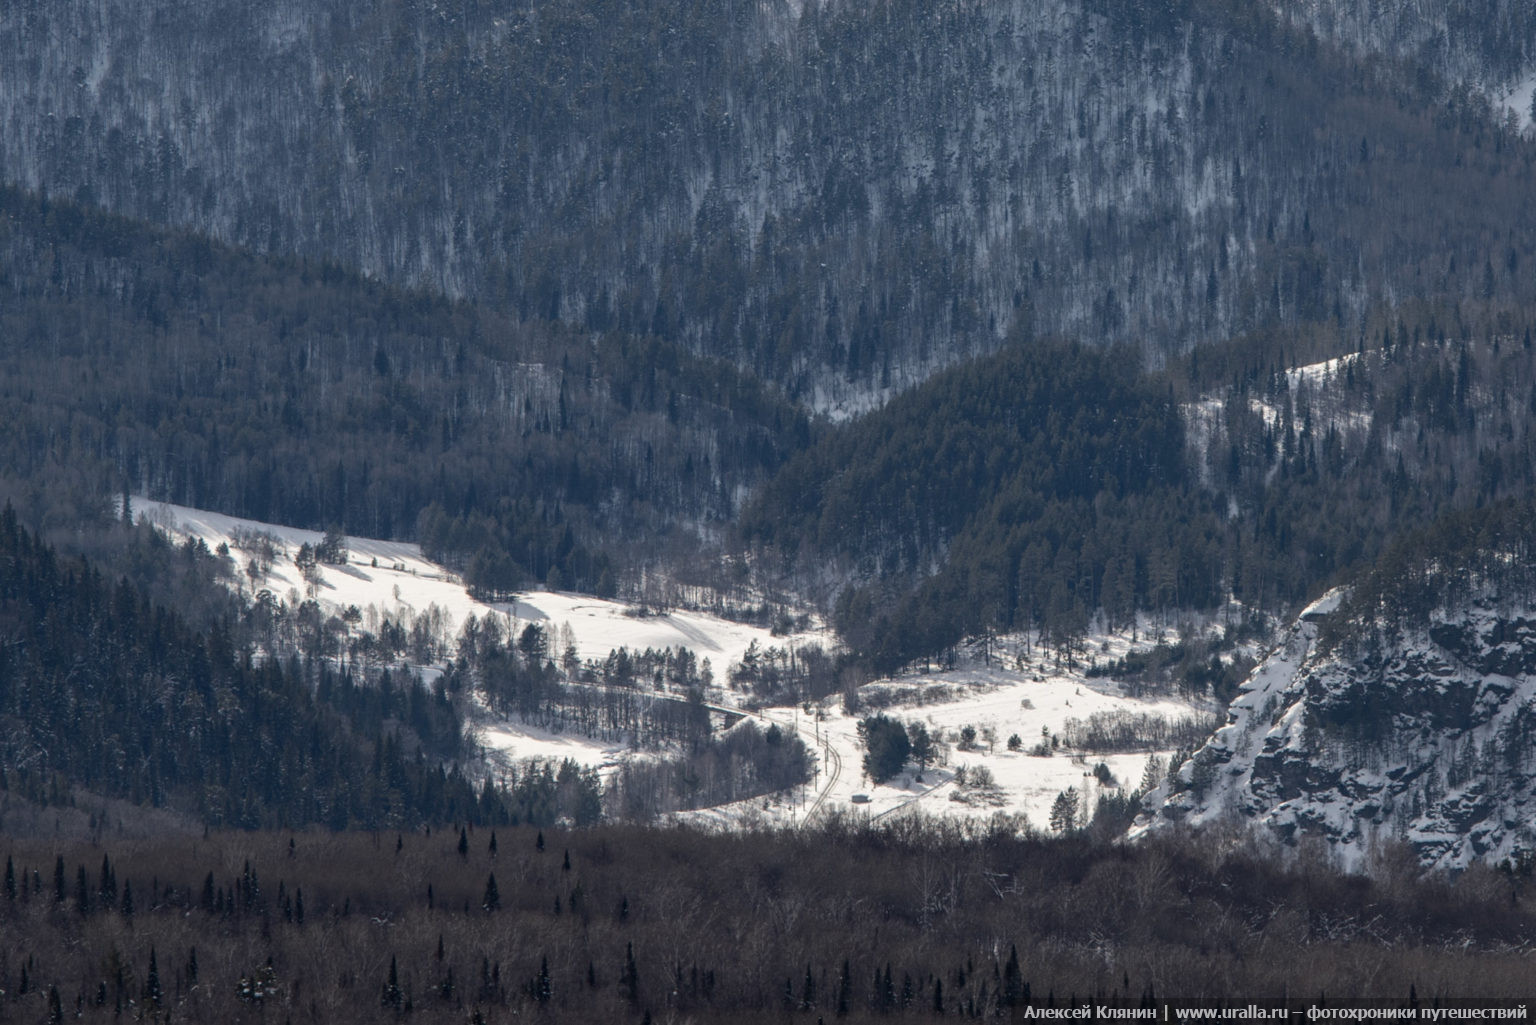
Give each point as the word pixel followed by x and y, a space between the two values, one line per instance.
pixel 1152 775
pixel 10 879
pixel 107 888
pixel 463 843
pixel 492 899
pixel 629 979
pixel 391 996
pixel 541 987
pixel 152 991
pixel 1064 811
pixel 1013 979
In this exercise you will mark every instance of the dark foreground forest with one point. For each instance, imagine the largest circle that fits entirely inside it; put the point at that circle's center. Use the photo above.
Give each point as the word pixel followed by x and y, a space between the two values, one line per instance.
pixel 106 917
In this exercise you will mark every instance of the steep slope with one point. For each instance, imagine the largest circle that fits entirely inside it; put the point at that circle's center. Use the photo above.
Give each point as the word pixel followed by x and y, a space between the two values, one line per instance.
pixel 158 362
pixel 1025 490
pixel 841 196
pixel 1402 709
pixel 103 690
pixel 1486 43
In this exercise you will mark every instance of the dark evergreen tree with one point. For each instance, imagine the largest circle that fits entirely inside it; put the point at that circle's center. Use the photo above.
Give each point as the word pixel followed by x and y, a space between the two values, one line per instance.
pixel 629 975
pixel 153 994
pixel 542 989
pixel 886 747
pixel 390 994
pixel 492 899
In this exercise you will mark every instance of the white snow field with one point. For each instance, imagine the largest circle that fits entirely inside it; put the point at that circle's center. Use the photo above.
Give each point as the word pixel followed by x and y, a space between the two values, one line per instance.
pixel 392 579
pixel 1033 699
pixel 1019 692
pixel 1516 97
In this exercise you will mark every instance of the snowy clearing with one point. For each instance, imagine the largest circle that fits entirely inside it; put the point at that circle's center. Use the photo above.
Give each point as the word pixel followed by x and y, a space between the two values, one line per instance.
pixel 1517 97
pixel 1020 692
pixel 1034 700
pixel 391 578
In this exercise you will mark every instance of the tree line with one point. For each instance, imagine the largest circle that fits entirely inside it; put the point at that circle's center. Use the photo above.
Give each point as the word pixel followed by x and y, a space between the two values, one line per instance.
pixel 900 921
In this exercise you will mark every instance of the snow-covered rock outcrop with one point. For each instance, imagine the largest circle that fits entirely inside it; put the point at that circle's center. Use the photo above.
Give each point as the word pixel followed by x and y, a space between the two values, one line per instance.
pixel 1426 734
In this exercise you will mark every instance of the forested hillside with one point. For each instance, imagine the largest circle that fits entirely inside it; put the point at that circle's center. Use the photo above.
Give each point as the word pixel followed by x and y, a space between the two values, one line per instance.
pixel 1047 485
pixel 1485 43
pixel 105 692
pixel 839 196
pixel 140 359
pixel 1030 489
pixel 941 319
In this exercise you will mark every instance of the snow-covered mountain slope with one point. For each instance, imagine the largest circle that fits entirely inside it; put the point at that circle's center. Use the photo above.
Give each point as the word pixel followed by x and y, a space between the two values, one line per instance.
pixel 1424 737
pixel 393 579
pixel 1488 43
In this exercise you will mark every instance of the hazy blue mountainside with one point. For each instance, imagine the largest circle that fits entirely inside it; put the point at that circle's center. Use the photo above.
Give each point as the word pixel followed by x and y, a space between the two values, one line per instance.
pixel 854 193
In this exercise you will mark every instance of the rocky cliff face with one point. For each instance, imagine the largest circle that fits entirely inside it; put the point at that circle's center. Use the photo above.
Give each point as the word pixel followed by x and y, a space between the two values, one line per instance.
pixel 1424 736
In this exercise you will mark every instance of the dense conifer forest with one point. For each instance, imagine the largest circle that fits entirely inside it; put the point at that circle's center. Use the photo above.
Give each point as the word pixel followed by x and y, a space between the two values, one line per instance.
pixel 943 319
pixel 845 922
pixel 159 362
pixel 104 690
pixel 837 197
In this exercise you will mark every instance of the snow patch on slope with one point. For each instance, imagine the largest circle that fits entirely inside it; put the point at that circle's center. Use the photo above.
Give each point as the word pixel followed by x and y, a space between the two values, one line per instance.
pixel 1020 692
pixel 1516 97
pixel 393 577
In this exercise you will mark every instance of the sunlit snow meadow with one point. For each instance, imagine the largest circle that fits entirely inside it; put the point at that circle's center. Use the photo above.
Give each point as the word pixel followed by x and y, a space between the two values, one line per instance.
pixel 1017 691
